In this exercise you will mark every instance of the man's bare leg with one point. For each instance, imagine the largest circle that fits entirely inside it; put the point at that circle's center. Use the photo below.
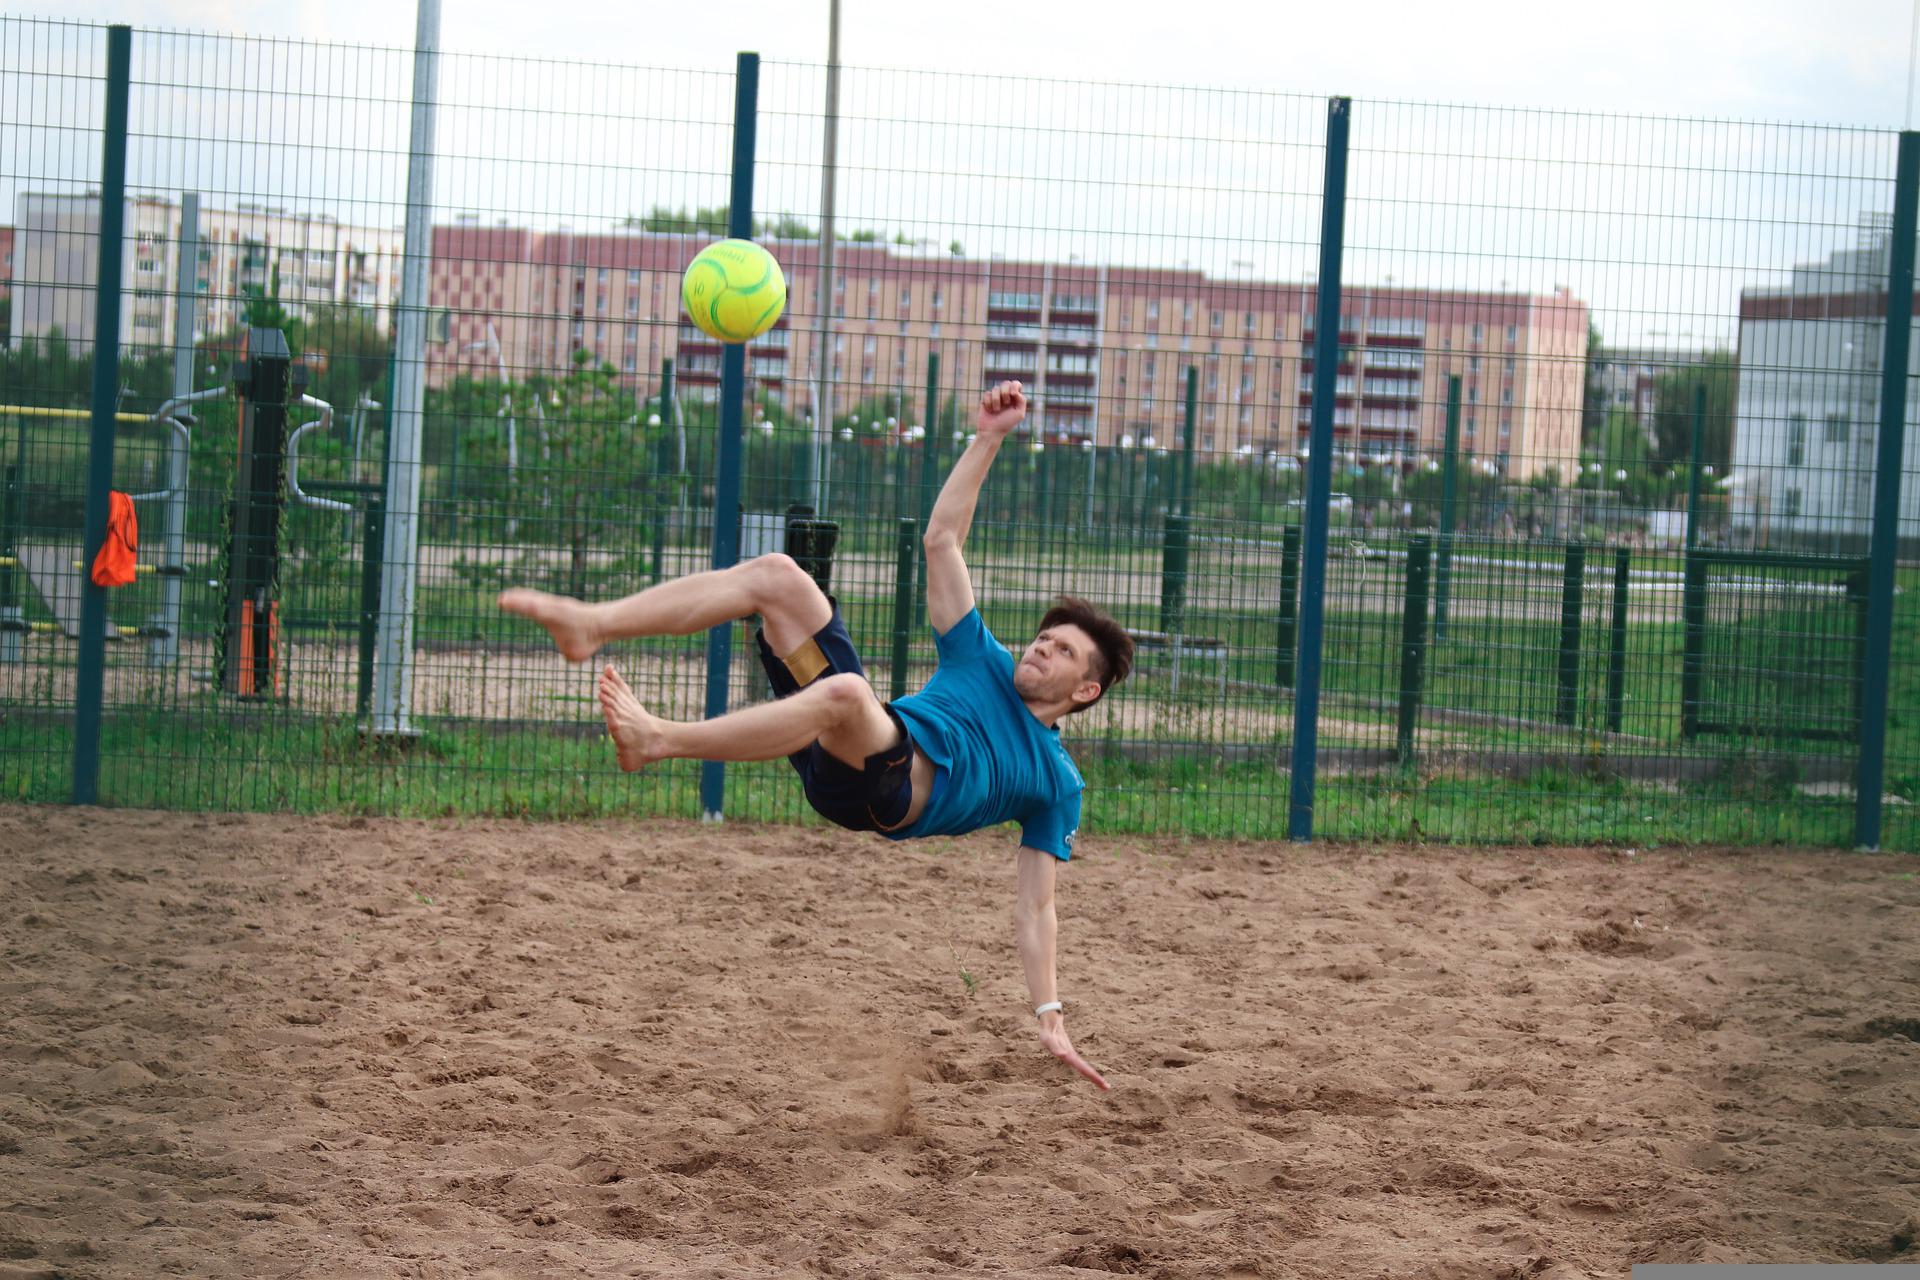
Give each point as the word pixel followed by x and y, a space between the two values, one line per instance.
pixel 840 712
pixel 785 596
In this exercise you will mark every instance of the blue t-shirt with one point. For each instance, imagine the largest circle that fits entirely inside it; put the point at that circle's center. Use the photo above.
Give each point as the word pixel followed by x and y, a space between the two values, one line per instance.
pixel 993 762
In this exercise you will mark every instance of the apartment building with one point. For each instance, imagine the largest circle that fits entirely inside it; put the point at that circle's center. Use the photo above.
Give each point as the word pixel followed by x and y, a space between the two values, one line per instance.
pixel 1103 348
pixel 315 260
pixel 1807 412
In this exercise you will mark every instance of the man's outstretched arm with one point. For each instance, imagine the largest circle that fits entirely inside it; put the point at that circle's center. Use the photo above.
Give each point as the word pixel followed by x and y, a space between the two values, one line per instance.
pixel 949 588
pixel 1035 929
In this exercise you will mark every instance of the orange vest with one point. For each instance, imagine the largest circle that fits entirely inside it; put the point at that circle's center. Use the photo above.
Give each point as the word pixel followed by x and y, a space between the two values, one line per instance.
pixel 113 567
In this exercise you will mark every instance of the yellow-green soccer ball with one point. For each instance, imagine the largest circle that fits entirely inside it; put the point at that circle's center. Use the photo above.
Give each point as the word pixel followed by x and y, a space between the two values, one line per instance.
pixel 734 290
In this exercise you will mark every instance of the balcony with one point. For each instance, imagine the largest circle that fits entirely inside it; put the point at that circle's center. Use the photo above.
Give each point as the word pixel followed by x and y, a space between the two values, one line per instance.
pixel 769 368
pixel 1389 358
pixel 1080 364
pixel 1341 418
pixel 773 340
pixel 1013 302
pixel 1391 420
pixel 1057 396
pixel 1072 335
pixel 692 337
pixel 1075 302
pixel 1016 332
pixel 1411 327
pixel 1393 388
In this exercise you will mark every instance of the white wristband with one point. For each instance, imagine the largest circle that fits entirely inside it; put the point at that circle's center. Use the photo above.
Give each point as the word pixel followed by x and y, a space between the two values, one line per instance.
pixel 1048 1007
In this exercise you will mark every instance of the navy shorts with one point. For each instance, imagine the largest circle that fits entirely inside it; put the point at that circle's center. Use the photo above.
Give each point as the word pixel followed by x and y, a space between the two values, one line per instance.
pixel 875 797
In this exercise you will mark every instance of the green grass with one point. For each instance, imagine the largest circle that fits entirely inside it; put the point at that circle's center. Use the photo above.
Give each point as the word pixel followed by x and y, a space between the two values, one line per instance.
pixel 287 763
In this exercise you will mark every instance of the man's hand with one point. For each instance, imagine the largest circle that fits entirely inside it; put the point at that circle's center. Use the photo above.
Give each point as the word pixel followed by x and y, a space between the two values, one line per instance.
pixel 1053 1034
pixel 1001 410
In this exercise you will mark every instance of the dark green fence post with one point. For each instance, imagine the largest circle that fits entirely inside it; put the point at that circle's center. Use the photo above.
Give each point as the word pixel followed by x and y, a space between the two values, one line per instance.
pixel 903 569
pixel 1693 472
pixel 1288 639
pixel 13 648
pixel 1886 499
pixel 1319 491
pixel 373 538
pixel 663 462
pixel 90 683
pixel 1413 642
pixel 1174 541
pixel 1449 476
pixel 1188 439
pixel 1572 587
pixel 1617 643
pixel 733 391
pixel 1693 618
pixel 929 469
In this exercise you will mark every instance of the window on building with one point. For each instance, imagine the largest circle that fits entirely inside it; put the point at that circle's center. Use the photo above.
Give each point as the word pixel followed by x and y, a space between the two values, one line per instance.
pixel 1506 395
pixel 866 347
pixel 939 297
pixel 1511 362
pixel 1186 311
pixel 1839 429
pixel 1215 318
pixel 1153 308
pixel 1473 395
pixel 1513 334
pixel 600 276
pixel 906 298
pixel 633 278
pixel 1246 321
pixel 1790 503
pixel 1479 332
pixel 1797 440
pixel 1473 364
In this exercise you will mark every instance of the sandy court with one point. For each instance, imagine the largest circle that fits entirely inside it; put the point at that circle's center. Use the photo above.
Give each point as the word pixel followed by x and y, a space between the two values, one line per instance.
pixel 262 1046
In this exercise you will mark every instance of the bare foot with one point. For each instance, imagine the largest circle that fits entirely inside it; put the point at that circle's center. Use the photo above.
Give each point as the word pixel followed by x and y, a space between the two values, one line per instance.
pixel 566 620
pixel 636 734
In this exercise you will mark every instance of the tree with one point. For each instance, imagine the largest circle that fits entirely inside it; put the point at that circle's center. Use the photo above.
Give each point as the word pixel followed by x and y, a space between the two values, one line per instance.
pixel 263 311
pixel 714 222
pixel 1593 400
pixel 1673 394
pixel 587 472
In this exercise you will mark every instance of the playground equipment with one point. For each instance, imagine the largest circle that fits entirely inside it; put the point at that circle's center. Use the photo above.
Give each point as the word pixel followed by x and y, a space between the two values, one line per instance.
pixel 267 384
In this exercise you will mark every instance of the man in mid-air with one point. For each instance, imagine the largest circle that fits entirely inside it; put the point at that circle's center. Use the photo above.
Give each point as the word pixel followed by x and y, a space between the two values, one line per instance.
pixel 979 745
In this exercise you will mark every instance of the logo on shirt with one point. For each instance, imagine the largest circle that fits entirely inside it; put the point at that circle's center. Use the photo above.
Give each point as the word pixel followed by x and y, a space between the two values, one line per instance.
pixel 1069 840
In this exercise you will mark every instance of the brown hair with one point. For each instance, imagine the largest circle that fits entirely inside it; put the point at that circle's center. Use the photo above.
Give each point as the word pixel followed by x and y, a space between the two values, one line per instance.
pixel 1112 655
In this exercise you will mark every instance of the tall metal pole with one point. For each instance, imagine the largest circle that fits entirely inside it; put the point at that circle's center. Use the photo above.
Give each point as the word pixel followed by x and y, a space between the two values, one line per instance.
pixel 165 648
pixel 1886 496
pixel 823 322
pixel 400 544
pixel 1319 495
pixel 733 391
pixel 90 683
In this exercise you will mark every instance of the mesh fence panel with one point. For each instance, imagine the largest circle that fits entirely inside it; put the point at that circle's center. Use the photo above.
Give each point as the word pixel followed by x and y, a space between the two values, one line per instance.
pixel 1604 432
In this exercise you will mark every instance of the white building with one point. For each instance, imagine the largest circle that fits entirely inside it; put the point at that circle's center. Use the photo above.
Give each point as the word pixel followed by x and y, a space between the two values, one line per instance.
pixel 320 263
pixel 1806 418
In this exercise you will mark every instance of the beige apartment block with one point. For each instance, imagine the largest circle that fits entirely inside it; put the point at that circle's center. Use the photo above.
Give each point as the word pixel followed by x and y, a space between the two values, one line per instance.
pixel 316 261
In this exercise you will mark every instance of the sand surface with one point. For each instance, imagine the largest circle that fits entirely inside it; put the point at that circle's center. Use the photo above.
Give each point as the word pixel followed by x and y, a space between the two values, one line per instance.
pixel 268 1046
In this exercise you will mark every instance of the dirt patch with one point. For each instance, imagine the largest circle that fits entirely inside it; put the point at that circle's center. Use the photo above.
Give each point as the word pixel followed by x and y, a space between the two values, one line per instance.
pixel 269 1046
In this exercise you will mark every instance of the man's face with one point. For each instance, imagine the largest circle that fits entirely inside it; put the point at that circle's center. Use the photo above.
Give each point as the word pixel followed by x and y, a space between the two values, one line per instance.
pixel 1057 665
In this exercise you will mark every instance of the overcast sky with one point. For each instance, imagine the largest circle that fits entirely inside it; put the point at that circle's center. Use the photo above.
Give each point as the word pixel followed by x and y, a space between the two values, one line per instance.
pixel 1822 61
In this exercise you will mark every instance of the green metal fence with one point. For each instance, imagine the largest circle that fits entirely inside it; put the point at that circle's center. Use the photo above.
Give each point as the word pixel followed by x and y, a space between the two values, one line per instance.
pixel 1603 407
